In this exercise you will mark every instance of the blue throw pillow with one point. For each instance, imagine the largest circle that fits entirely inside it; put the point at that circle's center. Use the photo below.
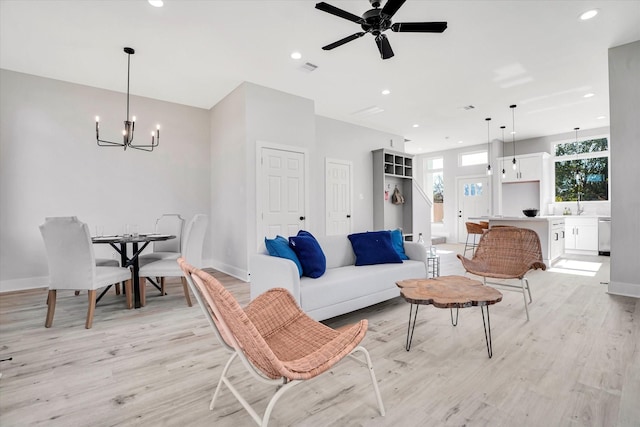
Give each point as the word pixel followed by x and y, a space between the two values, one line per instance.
pixel 309 253
pixel 280 247
pixel 374 248
pixel 398 243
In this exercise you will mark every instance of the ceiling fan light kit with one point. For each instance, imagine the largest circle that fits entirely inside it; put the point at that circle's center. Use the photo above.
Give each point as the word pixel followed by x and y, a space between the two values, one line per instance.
pixel 376 21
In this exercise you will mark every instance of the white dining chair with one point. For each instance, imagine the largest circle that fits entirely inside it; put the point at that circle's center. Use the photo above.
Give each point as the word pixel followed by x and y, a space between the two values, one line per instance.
pixel 167 249
pixel 72 264
pixel 191 251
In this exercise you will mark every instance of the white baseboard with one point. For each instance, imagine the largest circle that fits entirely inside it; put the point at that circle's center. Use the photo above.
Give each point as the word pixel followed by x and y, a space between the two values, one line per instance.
pixel 625 289
pixel 228 269
pixel 12 285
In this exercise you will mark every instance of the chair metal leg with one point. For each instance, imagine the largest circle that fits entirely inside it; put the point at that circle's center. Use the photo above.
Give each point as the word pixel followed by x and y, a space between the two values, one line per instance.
pixel 222 376
pixel 524 295
pixel 374 382
pixel 51 309
pixel 528 289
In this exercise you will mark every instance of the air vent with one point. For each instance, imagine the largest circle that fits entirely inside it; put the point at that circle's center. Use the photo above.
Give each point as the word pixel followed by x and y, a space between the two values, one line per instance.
pixel 367 112
pixel 308 67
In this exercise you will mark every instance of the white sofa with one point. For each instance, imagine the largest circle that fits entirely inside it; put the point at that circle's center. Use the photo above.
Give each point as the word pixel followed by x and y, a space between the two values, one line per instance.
pixel 344 287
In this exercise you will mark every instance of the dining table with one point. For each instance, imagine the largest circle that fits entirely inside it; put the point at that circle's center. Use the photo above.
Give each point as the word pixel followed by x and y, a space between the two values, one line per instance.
pixel 138 244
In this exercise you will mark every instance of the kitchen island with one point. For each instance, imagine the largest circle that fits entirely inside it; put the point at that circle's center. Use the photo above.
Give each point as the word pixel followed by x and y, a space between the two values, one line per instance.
pixel 550 231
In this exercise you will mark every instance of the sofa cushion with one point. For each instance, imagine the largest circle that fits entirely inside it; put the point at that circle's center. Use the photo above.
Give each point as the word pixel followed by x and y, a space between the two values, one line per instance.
pixel 398 243
pixel 374 247
pixel 348 283
pixel 280 247
pixel 309 253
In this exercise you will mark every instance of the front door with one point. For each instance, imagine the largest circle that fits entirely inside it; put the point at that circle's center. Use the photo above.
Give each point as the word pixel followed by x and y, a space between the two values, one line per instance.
pixel 473 201
pixel 338 197
pixel 282 186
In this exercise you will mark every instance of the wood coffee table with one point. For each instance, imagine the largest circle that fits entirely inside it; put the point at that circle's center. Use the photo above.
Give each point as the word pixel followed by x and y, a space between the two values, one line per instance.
pixel 449 292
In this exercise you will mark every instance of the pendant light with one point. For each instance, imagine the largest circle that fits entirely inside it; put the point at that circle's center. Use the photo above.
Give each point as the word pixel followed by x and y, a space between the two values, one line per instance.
pixel 504 175
pixel 513 134
pixel 578 176
pixel 129 122
pixel 489 171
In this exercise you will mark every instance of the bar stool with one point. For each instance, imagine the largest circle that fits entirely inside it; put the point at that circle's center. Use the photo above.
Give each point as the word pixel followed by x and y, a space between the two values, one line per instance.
pixel 473 229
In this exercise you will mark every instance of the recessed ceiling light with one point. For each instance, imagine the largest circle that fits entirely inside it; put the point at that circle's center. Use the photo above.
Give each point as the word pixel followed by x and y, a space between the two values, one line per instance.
pixel 588 14
pixel 386 92
pixel 459 142
pixel 588 95
pixel 296 55
pixel 416 125
pixel 600 117
pixel 156 3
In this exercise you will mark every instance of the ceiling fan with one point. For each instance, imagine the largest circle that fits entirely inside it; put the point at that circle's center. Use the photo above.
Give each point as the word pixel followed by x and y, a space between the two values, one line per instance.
pixel 376 21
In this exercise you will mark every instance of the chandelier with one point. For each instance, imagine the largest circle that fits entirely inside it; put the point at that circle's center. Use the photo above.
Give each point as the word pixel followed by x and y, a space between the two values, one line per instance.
pixel 129 124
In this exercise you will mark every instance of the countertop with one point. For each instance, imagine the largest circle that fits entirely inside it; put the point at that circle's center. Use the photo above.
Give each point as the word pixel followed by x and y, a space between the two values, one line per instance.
pixel 535 218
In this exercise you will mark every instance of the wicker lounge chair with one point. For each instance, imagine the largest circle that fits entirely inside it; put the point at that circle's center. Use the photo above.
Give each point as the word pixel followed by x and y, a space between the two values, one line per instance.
pixel 507 253
pixel 277 343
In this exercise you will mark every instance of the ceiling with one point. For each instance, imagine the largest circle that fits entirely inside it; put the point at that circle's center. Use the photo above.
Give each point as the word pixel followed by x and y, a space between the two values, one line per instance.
pixel 536 54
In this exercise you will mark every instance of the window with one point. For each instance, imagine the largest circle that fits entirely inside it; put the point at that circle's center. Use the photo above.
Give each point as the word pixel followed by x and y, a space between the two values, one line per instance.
pixel 473 189
pixel 476 158
pixel 582 167
pixel 434 168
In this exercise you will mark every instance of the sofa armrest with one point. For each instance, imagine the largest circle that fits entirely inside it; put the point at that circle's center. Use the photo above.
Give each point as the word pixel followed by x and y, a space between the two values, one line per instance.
pixel 415 251
pixel 267 272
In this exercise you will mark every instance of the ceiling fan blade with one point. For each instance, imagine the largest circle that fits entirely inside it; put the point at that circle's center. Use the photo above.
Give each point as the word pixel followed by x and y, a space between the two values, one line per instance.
pixel 384 47
pixel 391 7
pixel 419 27
pixel 343 41
pixel 325 7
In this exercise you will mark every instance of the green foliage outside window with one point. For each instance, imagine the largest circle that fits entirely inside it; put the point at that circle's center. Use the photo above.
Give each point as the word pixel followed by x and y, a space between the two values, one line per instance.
pixel 584 174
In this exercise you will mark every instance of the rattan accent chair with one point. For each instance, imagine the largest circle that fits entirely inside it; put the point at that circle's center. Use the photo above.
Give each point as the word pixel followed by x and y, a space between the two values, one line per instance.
pixel 274 339
pixel 473 229
pixel 507 253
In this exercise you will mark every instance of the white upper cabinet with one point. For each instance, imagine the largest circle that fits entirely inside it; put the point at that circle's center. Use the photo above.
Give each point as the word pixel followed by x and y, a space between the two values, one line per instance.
pixel 528 167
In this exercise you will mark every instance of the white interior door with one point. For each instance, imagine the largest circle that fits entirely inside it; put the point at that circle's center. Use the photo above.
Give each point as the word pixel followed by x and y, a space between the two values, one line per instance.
pixel 282 186
pixel 338 197
pixel 473 201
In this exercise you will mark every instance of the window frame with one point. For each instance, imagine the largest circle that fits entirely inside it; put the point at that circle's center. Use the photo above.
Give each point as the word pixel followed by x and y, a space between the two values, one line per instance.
pixel 583 156
pixel 483 161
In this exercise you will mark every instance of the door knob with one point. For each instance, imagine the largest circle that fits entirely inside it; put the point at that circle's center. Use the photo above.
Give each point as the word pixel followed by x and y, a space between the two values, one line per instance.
pixel 348 216
pixel 301 218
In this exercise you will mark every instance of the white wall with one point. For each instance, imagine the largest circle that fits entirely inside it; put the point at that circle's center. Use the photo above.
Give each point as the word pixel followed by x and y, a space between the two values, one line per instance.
pixel 624 106
pixel 228 183
pixel 250 115
pixel 345 141
pixel 50 165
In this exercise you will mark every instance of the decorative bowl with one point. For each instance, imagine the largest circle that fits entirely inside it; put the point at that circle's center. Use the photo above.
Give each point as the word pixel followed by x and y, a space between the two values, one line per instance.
pixel 530 212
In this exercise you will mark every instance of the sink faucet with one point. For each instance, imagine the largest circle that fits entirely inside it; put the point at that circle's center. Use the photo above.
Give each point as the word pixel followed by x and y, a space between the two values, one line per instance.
pixel 580 209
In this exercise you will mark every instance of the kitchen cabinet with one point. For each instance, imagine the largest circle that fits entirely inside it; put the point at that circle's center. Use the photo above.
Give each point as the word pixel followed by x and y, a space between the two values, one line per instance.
pixel 581 235
pixel 530 186
pixel 547 228
pixel 529 167
pixel 557 238
pixel 392 170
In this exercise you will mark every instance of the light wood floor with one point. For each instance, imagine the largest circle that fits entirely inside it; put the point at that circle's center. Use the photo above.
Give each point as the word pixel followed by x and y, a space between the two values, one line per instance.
pixel 576 363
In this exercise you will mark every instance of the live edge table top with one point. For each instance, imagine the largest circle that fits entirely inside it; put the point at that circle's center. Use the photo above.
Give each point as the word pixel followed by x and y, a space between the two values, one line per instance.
pixel 448 292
